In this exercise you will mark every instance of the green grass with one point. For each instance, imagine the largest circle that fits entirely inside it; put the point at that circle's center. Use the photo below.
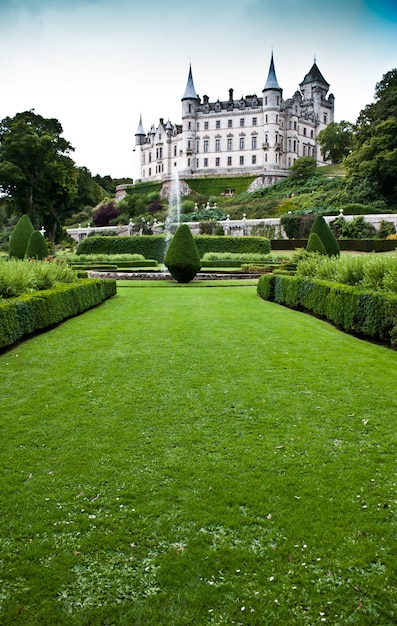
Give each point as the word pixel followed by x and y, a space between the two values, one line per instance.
pixel 197 456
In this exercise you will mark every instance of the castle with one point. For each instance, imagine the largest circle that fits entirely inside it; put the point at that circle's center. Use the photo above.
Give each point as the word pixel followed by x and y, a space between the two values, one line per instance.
pixel 259 136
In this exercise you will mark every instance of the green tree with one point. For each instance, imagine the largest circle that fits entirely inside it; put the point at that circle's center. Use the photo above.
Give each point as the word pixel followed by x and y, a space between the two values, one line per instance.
pixel 327 237
pixel 37 246
pixel 373 162
pixel 36 173
pixel 303 168
pixel 315 244
pixel 336 141
pixel 20 237
pixel 182 258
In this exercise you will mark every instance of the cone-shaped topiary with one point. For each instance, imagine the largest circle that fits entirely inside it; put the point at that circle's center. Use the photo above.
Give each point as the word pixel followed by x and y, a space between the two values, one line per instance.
pixel 182 258
pixel 315 244
pixel 37 246
pixel 20 237
pixel 321 228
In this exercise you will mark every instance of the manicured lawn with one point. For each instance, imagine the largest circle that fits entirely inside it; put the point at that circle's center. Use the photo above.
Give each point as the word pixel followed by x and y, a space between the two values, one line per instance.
pixel 193 457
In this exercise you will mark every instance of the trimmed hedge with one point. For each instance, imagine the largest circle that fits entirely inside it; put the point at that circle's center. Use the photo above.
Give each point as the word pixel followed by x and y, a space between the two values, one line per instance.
pixel 364 313
pixel 236 245
pixel 359 245
pixel 150 246
pixel 36 311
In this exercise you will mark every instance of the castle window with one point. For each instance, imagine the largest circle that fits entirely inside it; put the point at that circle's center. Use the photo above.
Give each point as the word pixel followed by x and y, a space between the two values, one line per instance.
pixel 197 163
pixel 241 160
pixel 150 157
pixel 188 162
pixel 229 144
pixel 189 145
pixel 205 162
pixel 150 171
pixel 143 159
pixel 254 159
pixel 242 121
pixel 266 138
pixel 278 99
pixel 265 157
pixel 294 125
pixel 229 161
pixel 254 143
pixel 276 119
pixel 254 121
pixel 242 143
pixel 230 123
pixel 325 118
pixel 289 145
pixel 175 151
pixel 197 146
pixel 205 145
pixel 218 124
pixel 294 146
pixel 289 161
pixel 198 126
pixel 265 99
pixel 205 125
pixel 190 108
pixel 304 131
pixel 217 145
pixel 311 134
pixel 266 119
pixel 217 162
pixel 290 124
pixel 189 126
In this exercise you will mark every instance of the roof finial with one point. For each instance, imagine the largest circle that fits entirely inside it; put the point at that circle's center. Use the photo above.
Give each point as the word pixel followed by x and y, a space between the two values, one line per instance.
pixel 315 60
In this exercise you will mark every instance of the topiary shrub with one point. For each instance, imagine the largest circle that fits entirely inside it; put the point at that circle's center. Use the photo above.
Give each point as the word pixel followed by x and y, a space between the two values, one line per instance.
pixel 37 246
pixel 20 237
pixel 315 244
pixel 330 243
pixel 182 258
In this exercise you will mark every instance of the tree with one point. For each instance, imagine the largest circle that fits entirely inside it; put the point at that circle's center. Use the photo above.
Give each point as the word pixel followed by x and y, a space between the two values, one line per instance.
pixel 315 244
pixel 373 162
pixel 182 258
pixel 305 167
pixel 36 173
pixel 105 213
pixel 336 141
pixel 37 247
pixel 20 237
pixel 327 237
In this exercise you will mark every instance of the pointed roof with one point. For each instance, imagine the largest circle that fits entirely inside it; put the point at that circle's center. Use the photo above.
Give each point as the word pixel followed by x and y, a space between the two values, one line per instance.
pixel 314 76
pixel 190 92
pixel 272 82
pixel 140 129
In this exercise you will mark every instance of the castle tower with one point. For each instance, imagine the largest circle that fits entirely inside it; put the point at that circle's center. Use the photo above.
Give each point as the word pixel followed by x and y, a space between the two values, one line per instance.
pixel 190 102
pixel 272 139
pixel 314 88
pixel 140 133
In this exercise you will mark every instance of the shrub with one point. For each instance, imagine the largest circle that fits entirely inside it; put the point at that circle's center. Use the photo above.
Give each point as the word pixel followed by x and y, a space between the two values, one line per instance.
pixel 328 239
pixel 37 247
pixel 150 246
pixel 236 245
pixel 182 258
pixel 105 213
pixel 20 237
pixel 386 229
pixel 315 244
pixel 297 226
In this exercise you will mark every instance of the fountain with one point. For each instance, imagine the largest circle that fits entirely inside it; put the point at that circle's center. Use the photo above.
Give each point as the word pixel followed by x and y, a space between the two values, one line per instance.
pixel 174 203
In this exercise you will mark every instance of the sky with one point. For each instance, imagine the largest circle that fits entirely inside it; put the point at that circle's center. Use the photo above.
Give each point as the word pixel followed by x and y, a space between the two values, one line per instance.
pixel 97 65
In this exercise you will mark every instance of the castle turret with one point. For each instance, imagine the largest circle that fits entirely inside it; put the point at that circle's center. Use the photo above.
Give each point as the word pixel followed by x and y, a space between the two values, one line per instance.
pixel 140 133
pixel 272 99
pixel 190 102
pixel 314 89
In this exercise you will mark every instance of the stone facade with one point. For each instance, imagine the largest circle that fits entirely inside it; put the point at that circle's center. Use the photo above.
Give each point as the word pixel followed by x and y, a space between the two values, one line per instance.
pixel 259 136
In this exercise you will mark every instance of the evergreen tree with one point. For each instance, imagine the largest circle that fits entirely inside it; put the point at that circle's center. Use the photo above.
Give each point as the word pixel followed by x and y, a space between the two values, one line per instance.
pixel 182 258
pixel 37 247
pixel 315 244
pixel 328 239
pixel 20 237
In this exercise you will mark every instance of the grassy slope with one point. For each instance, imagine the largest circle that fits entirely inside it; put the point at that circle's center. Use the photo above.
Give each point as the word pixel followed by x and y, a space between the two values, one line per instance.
pixel 197 456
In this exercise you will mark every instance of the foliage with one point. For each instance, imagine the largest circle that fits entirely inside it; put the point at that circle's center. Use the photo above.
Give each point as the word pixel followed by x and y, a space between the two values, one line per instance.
pixel 36 173
pixel 315 244
pixel 32 312
pixel 20 237
pixel 235 245
pixel 304 167
pixel 24 276
pixel 336 141
pixel 297 226
pixel 385 229
pixel 328 239
pixel 246 257
pixel 182 258
pixel 357 228
pixel 105 213
pixel 37 246
pixel 218 185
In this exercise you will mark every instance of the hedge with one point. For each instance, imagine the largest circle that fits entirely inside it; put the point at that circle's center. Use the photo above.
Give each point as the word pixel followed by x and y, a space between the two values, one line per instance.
pixel 364 313
pixel 36 311
pixel 359 245
pixel 154 246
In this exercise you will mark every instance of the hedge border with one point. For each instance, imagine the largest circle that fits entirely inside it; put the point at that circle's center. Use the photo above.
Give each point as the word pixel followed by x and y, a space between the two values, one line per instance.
pixel 33 312
pixel 368 314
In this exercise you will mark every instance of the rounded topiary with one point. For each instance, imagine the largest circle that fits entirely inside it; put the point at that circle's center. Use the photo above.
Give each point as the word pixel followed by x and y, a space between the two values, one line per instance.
pixel 37 246
pixel 182 258
pixel 20 237
pixel 315 244
pixel 330 243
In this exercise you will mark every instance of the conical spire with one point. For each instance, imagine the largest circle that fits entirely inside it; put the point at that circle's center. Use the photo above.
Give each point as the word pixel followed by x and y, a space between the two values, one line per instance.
pixel 271 82
pixel 190 92
pixel 140 129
